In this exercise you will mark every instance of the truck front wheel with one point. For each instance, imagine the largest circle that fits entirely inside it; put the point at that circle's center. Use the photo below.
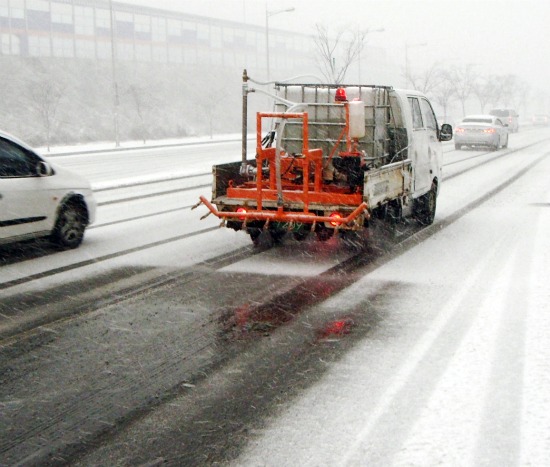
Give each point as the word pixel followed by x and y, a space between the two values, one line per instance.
pixel 425 205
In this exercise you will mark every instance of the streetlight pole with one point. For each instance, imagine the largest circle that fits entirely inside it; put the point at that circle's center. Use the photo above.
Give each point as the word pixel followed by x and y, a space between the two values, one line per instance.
pixel 113 66
pixel 407 47
pixel 267 15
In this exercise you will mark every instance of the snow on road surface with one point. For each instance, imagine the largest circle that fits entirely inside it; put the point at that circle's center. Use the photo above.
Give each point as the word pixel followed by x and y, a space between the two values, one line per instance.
pixel 458 372
pixel 452 367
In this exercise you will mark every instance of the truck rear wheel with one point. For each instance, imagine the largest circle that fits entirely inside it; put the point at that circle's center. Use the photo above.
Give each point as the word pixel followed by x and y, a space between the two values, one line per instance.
pixel 277 235
pixel 425 205
pixel 301 235
pixel 254 233
pixel 323 233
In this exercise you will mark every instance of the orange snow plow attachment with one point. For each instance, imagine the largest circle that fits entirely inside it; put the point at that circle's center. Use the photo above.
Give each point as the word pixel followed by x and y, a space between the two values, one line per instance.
pixel 284 216
pixel 284 188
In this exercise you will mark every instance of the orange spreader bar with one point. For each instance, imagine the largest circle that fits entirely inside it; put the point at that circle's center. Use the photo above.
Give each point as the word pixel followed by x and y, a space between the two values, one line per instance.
pixel 283 216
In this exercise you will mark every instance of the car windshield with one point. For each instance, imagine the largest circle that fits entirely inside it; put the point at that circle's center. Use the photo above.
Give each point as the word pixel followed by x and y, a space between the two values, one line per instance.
pixel 477 120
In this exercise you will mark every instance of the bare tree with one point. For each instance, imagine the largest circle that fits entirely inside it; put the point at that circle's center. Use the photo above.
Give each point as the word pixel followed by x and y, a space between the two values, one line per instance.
pixel 486 89
pixel 143 102
pixel 210 105
pixel 426 82
pixel 444 92
pixel 45 97
pixel 338 53
pixel 512 91
pixel 522 96
pixel 462 79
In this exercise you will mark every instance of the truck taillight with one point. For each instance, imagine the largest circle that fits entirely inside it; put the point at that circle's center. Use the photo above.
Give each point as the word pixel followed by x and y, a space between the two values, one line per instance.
pixel 489 130
pixel 336 219
pixel 340 95
pixel 241 211
pixel 459 130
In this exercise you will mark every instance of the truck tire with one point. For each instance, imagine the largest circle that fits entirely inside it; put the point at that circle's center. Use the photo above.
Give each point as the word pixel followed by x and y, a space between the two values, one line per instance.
pixel 300 235
pixel 425 205
pixel 277 235
pixel 254 233
pixel 458 147
pixel 323 233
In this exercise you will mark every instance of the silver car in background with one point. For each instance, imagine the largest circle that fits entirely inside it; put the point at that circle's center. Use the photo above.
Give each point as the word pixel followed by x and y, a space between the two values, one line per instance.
pixel 541 119
pixel 509 117
pixel 481 130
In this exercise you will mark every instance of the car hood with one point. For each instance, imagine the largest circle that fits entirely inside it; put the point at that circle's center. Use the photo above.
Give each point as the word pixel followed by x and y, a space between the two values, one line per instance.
pixel 71 180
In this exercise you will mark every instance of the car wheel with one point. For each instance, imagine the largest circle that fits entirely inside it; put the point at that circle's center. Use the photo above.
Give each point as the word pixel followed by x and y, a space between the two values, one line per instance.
pixel 505 145
pixel 458 147
pixel 70 225
pixel 425 205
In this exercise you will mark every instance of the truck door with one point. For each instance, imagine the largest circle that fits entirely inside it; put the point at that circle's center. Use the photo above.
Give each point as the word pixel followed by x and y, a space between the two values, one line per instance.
pixel 435 151
pixel 420 150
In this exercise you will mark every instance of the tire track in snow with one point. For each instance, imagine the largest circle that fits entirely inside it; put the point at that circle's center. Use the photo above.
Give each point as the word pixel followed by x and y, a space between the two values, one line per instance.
pixel 535 416
pixel 396 394
pixel 34 328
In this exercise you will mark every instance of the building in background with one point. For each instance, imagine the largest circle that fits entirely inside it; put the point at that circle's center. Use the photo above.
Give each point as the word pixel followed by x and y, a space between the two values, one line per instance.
pixel 82 29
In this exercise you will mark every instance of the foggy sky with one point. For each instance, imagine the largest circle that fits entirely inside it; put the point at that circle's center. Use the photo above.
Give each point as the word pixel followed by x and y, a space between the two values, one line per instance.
pixel 498 36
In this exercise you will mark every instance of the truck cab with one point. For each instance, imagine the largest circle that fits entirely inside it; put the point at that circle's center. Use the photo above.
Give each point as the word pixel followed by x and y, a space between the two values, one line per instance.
pixel 425 138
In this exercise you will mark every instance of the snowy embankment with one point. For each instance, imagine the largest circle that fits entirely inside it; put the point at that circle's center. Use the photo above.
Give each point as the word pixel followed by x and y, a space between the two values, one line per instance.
pixel 103 146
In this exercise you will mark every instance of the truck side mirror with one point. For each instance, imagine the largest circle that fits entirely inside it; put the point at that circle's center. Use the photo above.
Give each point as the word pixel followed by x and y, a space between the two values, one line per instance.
pixel 446 133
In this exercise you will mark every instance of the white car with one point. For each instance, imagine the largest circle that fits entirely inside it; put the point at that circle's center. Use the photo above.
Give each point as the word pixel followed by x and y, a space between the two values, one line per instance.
pixel 481 130
pixel 39 199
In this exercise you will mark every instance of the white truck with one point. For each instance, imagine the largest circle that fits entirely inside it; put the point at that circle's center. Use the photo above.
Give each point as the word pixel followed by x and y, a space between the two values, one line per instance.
pixel 330 157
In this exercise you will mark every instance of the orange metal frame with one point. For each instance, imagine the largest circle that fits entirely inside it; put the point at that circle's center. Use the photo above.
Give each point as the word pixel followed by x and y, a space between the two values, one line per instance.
pixel 308 192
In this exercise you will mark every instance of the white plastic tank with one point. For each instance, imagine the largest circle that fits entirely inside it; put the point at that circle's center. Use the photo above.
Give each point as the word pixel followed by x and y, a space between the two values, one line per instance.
pixel 356 119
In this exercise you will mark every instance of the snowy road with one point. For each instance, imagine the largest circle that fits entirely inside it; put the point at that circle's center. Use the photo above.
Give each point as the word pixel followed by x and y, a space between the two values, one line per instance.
pixel 164 339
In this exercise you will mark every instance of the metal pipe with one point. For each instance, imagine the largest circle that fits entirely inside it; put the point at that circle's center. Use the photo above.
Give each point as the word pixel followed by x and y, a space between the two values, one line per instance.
pixel 278 144
pixel 282 216
pixel 244 117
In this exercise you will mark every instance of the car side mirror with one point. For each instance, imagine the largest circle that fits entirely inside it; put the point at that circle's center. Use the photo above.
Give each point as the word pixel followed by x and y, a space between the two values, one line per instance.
pixel 43 169
pixel 446 133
